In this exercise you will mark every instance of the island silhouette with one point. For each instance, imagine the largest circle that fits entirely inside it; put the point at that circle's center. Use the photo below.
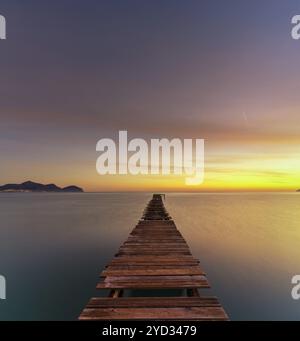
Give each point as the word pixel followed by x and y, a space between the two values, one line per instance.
pixel 30 186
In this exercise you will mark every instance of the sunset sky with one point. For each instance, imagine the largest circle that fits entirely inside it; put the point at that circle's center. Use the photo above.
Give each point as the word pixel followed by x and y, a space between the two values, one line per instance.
pixel 72 72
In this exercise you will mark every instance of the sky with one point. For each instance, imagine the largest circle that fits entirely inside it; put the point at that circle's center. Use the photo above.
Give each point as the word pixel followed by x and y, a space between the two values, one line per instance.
pixel 73 72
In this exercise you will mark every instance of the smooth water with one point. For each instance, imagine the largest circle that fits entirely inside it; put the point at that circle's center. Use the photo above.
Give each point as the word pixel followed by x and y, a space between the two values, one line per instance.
pixel 53 247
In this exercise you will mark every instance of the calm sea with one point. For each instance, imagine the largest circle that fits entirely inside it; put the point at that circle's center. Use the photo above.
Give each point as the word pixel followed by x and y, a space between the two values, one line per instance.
pixel 53 247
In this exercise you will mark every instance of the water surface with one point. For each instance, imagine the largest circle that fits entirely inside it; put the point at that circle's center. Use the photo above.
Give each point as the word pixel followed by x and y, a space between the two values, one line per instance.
pixel 53 247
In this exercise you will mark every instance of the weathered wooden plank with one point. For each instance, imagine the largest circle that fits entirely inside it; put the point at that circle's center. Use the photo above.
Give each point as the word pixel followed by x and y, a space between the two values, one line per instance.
pixel 155 234
pixel 156 223
pixel 153 251
pixel 159 228
pixel 169 313
pixel 154 243
pixel 163 282
pixel 156 240
pixel 154 266
pixel 152 235
pixel 149 230
pixel 157 253
pixel 148 258
pixel 161 302
pixel 139 284
pixel 152 247
pixel 152 272
pixel 142 259
pixel 171 251
pixel 154 278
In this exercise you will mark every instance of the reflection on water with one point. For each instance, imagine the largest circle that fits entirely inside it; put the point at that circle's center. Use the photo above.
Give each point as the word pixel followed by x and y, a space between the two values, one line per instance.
pixel 249 245
pixel 53 247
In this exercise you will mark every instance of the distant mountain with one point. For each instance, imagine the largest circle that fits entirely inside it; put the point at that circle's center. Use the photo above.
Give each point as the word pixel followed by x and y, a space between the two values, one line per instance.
pixel 72 189
pixel 30 186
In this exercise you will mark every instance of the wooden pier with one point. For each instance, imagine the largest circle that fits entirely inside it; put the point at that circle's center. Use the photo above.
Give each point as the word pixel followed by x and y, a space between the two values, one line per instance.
pixel 155 256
